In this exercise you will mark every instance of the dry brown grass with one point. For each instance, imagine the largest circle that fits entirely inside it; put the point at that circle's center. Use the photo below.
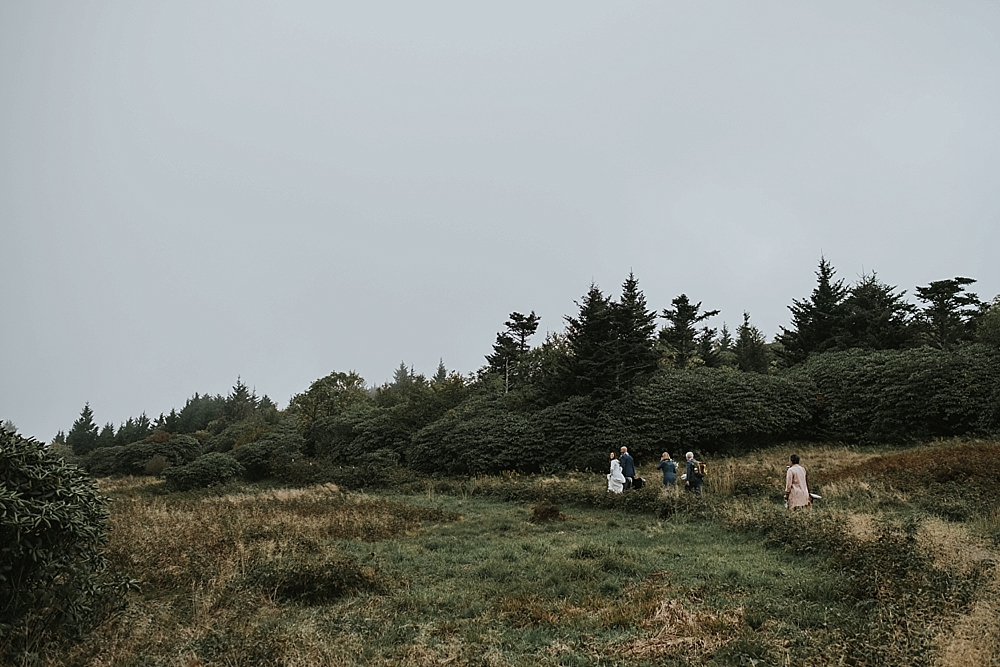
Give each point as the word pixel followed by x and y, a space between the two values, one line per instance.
pixel 973 638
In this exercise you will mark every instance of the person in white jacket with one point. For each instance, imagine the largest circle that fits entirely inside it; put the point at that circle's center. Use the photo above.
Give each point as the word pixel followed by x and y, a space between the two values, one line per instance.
pixel 616 480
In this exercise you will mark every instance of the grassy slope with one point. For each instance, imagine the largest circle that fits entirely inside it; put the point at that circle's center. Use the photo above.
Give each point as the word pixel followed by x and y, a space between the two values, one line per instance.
pixel 258 576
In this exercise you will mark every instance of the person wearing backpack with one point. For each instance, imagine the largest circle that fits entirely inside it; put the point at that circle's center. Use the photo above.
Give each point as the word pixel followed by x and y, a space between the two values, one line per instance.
pixel 694 474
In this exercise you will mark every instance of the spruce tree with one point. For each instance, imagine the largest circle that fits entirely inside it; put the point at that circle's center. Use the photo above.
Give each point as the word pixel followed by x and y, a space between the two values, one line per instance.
pixel 750 348
pixel 83 435
pixel 817 322
pixel 635 354
pixel 592 341
pixel 106 438
pixel 875 317
pixel 680 334
pixel 441 374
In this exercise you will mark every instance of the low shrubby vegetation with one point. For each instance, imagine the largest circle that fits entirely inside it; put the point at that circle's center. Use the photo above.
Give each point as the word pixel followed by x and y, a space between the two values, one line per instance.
pixel 54 581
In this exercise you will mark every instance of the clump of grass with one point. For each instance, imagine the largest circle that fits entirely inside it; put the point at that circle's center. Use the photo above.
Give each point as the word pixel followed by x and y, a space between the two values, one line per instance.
pixel 311 578
pixel 543 511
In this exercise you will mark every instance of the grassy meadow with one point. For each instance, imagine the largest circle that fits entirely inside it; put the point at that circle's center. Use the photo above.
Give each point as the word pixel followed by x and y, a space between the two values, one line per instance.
pixel 896 565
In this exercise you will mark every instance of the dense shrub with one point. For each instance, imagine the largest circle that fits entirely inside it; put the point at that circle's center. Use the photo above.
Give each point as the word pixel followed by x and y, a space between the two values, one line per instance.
pixel 103 461
pixel 52 535
pixel 208 470
pixel 278 447
pixel 574 434
pixel 712 410
pixel 243 432
pixel 478 438
pixel 178 450
pixel 899 396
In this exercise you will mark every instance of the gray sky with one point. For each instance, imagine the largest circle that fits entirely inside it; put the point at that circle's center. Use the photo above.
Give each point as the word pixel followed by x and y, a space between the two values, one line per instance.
pixel 192 191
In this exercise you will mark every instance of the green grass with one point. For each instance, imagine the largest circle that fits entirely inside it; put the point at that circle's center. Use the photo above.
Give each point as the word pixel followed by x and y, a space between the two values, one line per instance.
pixel 457 572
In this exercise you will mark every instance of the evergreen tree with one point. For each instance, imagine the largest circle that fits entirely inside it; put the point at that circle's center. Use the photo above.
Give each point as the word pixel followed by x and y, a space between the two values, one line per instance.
pixel 988 329
pixel 133 430
pixel 592 340
pixel 707 348
pixel 511 347
pixel 750 348
pixel 950 313
pixel 83 435
pixel 635 354
pixel 241 402
pixel 681 334
pixel 817 322
pixel 724 349
pixel 106 438
pixel 402 377
pixel 875 317
pixel 198 412
pixel 441 374
pixel 521 328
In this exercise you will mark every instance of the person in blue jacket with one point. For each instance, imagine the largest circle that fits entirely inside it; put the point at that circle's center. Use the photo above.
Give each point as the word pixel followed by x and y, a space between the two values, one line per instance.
pixel 669 468
pixel 628 467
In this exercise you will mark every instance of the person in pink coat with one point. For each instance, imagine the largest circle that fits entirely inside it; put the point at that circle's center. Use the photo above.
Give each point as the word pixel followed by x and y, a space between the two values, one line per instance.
pixel 796 490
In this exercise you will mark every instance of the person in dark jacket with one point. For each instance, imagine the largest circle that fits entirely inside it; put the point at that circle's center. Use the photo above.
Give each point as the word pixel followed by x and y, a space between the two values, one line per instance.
pixel 669 468
pixel 628 467
pixel 692 476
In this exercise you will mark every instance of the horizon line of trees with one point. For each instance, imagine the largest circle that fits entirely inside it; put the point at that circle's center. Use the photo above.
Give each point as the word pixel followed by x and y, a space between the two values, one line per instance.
pixel 614 376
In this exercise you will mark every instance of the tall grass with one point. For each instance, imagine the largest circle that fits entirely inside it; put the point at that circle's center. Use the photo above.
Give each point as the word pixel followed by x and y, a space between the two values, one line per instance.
pixel 554 570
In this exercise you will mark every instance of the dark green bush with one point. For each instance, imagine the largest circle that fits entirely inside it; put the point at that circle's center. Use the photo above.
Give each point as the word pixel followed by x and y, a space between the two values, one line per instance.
pixel 178 450
pixel 713 410
pixel 480 437
pixel 900 396
pixel 208 470
pixel 276 448
pixel 103 461
pixel 52 564
pixel 245 431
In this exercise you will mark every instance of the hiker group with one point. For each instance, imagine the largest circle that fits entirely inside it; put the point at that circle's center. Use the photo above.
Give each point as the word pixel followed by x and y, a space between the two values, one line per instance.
pixel 622 476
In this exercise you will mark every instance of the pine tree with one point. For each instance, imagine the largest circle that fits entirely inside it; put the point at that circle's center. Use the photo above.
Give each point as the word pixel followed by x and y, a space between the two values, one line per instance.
pixel 875 317
pixel 635 351
pixel 106 438
pixel 591 337
pixel 680 334
pixel 241 402
pixel 950 314
pixel 817 322
pixel 511 346
pixel 83 435
pixel 441 374
pixel 751 349
pixel 707 347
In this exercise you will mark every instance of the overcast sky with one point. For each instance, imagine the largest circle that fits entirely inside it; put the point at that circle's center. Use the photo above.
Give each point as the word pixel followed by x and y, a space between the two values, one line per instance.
pixel 195 191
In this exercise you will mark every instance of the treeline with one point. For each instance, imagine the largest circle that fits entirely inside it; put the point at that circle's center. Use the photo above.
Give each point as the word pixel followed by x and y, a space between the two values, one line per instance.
pixel 858 363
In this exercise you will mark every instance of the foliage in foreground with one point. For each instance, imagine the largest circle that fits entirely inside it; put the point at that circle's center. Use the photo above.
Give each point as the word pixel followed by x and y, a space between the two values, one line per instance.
pixel 53 583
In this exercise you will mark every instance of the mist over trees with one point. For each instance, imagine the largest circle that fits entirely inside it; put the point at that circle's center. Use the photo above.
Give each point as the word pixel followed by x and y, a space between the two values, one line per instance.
pixel 857 363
